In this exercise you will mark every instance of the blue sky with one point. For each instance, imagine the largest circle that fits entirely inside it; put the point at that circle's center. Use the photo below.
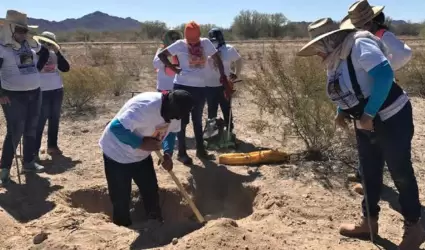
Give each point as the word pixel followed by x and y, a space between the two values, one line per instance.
pixel 220 12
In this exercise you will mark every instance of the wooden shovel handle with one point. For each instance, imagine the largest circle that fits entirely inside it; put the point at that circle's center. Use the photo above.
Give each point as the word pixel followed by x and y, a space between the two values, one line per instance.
pixel 183 191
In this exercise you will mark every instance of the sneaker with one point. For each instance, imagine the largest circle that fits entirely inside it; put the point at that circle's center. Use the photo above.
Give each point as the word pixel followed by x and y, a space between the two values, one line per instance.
pixel 185 159
pixel 360 229
pixel 32 167
pixel 413 237
pixel 5 177
pixel 54 151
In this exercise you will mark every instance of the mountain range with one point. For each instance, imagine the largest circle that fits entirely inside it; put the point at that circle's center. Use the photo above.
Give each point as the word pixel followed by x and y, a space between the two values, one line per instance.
pixel 99 21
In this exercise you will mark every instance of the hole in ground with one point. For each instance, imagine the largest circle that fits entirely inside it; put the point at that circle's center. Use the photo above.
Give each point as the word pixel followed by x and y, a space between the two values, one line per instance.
pixel 218 192
pixel 96 200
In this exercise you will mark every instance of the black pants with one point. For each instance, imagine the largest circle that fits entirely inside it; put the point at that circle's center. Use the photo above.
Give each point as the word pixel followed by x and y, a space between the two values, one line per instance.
pixel 199 95
pixel 393 145
pixel 119 178
pixel 215 97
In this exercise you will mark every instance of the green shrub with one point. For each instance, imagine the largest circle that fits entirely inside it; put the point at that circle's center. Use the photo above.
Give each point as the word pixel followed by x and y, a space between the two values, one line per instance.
pixel 293 91
pixel 82 85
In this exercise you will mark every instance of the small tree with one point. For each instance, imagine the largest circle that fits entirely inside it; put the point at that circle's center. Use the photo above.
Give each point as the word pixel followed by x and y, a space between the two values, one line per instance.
pixel 295 95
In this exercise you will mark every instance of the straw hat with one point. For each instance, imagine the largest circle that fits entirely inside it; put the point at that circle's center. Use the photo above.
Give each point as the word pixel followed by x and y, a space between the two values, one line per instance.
pixel 360 13
pixel 318 30
pixel 19 19
pixel 47 37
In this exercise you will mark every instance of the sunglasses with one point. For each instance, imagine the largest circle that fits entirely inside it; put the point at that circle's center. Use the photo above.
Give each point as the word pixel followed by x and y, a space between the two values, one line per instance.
pixel 21 30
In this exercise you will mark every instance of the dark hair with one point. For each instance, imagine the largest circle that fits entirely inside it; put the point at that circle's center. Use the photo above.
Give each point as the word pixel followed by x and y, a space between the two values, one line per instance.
pixel 379 20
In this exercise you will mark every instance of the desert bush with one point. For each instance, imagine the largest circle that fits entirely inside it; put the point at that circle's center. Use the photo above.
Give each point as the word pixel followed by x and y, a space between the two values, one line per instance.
pixel 118 78
pixel 294 93
pixel 82 85
pixel 412 76
pixel 101 56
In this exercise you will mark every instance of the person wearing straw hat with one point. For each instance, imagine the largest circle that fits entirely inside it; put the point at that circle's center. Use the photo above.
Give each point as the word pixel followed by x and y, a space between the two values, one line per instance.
pixel 362 15
pixel 52 93
pixel 20 91
pixel 192 53
pixel 147 122
pixel 360 82
pixel 165 76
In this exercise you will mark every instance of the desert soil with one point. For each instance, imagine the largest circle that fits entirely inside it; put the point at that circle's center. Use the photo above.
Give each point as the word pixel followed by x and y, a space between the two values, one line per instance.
pixel 297 205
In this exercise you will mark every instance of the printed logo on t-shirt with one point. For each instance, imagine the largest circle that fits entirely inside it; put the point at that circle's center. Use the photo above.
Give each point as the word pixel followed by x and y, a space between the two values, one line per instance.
pixel 161 131
pixel 196 56
pixel 25 61
pixel 50 66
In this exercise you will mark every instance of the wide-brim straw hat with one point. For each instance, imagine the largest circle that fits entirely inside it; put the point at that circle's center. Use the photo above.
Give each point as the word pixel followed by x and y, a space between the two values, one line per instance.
pixel 318 30
pixel 360 13
pixel 19 19
pixel 47 37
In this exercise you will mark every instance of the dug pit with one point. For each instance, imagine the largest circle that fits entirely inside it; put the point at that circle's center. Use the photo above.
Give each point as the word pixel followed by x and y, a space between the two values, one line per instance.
pixel 216 196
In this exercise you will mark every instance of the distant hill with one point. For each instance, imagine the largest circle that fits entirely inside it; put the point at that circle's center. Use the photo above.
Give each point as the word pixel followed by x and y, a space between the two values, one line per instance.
pixel 97 21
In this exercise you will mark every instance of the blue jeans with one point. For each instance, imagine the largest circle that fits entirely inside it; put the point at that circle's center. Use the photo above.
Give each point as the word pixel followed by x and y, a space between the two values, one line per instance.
pixel 21 118
pixel 51 105
pixel 393 145
pixel 215 96
pixel 198 93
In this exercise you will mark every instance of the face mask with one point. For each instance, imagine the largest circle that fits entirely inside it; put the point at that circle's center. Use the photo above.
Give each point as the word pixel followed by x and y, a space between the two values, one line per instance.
pixel 215 44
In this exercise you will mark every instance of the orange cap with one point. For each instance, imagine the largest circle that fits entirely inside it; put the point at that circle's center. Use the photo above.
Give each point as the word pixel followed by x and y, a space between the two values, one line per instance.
pixel 192 32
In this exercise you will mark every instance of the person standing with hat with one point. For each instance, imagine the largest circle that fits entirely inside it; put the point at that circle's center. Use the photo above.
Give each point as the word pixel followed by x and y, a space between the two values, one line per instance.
pixel 372 18
pixel 362 15
pixel 360 83
pixel 147 122
pixel 192 53
pixel 20 92
pixel 165 75
pixel 52 93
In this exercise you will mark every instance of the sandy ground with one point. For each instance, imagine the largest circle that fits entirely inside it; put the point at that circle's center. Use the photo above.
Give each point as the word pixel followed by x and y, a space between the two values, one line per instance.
pixel 298 205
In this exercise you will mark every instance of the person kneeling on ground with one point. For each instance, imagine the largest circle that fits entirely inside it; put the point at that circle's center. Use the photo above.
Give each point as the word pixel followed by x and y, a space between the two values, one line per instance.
pixel 142 124
pixel 372 19
pixel 361 83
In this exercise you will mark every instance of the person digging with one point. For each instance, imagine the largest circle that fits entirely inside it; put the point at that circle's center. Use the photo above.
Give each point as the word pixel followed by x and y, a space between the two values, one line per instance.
pixel 147 122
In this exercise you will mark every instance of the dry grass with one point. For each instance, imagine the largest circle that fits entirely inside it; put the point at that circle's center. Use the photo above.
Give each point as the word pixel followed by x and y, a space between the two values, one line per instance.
pixel 412 76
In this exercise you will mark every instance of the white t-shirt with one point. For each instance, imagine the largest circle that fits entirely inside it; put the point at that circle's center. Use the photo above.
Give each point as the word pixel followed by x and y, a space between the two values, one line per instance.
pixel 193 67
pixel 365 56
pixel 228 55
pixel 50 78
pixel 19 69
pixel 400 52
pixel 142 115
pixel 163 80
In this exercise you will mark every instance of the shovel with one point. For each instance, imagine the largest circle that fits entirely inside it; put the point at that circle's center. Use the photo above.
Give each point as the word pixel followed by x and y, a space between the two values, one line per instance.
pixel 183 191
